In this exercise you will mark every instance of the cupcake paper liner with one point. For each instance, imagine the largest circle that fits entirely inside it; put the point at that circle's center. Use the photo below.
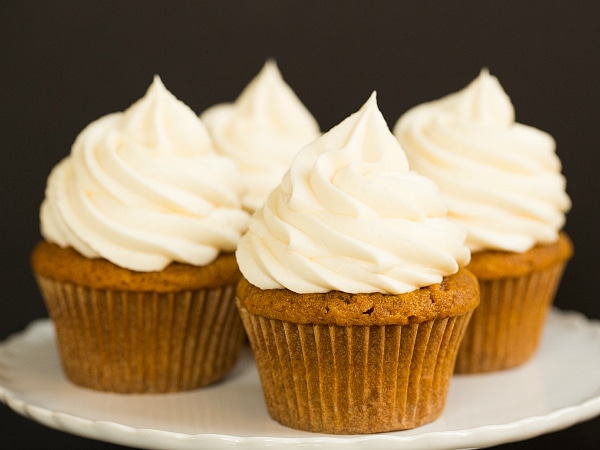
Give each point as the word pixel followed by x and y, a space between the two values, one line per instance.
pixel 354 379
pixel 144 342
pixel 506 328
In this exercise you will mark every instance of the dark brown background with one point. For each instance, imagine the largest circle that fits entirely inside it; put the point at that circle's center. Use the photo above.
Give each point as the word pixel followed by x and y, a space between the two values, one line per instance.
pixel 64 64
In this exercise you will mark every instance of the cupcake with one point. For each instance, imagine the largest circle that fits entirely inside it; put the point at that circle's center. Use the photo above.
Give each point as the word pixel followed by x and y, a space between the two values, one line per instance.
pixel 136 264
pixel 262 130
pixel 502 181
pixel 353 295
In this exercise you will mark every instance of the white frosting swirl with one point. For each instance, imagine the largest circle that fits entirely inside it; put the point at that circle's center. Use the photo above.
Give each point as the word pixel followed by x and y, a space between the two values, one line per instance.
pixel 145 187
pixel 502 180
pixel 263 129
pixel 350 216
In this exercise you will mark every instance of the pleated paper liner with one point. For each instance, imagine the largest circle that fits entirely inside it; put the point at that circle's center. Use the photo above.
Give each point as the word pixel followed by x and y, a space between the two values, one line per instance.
pixel 355 379
pixel 506 328
pixel 144 342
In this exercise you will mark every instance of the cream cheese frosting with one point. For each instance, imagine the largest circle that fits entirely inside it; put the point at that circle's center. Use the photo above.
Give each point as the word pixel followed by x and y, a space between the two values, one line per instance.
pixel 501 179
pixel 262 129
pixel 351 216
pixel 145 187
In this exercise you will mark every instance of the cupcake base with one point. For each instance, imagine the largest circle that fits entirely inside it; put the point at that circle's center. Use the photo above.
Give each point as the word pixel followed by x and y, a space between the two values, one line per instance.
pixel 140 332
pixel 140 342
pixel 354 380
pixel 357 363
pixel 506 328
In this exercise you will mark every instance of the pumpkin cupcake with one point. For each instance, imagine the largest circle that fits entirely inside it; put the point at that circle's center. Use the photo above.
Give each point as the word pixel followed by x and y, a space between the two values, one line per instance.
pixel 353 293
pixel 502 181
pixel 136 266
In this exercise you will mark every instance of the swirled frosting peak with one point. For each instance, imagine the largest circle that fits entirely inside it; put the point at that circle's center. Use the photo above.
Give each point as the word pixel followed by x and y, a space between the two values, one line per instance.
pixel 485 102
pixel 351 216
pixel 501 179
pixel 145 187
pixel 263 129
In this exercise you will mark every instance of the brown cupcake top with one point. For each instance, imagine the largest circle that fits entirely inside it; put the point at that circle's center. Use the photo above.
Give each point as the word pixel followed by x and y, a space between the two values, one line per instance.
pixel 490 264
pixel 69 266
pixel 455 295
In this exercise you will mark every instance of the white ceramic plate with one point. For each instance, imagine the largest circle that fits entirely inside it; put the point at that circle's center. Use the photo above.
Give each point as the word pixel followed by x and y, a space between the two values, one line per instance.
pixel 558 388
